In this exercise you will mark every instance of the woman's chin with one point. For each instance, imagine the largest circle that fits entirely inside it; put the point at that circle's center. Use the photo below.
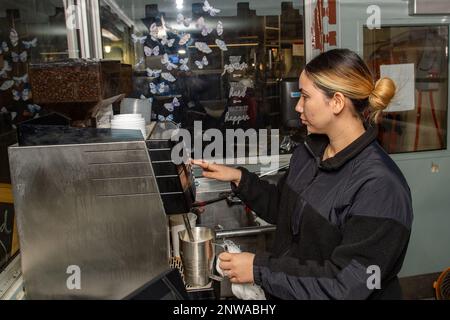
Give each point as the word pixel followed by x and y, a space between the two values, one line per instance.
pixel 310 128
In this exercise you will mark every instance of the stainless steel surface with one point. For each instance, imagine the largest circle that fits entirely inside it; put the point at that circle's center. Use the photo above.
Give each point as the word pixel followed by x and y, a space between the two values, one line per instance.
pixel 197 256
pixel 250 233
pixel 138 106
pixel 245 232
pixel 187 224
pixel 11 282
pixel 95 206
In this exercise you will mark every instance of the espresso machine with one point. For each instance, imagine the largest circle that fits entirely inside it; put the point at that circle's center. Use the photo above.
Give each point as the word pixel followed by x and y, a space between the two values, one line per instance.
pixel 92 207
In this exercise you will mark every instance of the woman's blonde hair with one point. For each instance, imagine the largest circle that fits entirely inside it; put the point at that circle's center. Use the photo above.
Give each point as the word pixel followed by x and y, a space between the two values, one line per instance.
pixel 342 70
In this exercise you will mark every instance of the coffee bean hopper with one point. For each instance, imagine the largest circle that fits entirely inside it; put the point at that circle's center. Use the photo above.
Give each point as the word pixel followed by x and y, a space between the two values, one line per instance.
pixel 92 207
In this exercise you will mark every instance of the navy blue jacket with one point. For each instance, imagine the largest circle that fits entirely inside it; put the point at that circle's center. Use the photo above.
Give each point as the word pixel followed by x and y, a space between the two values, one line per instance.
pixel 335 219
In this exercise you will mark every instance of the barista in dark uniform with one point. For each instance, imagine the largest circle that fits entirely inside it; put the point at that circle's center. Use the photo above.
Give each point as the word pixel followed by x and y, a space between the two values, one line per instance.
pixel 343 210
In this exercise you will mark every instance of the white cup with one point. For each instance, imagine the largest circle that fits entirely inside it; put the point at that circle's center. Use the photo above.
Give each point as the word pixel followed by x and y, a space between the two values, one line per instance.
pixel 177 225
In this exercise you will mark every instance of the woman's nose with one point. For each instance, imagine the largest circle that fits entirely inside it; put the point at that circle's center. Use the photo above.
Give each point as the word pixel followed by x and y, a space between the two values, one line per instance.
pixel 299 106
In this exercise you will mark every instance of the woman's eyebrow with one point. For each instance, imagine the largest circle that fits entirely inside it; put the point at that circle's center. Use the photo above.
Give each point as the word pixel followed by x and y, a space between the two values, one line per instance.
pixel 303 91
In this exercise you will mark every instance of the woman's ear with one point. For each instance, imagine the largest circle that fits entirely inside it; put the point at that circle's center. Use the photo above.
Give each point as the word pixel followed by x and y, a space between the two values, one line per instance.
pixel 338 103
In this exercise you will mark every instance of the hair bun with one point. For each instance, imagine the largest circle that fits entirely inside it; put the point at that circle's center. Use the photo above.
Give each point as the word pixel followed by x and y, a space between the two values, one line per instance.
pixel 382 94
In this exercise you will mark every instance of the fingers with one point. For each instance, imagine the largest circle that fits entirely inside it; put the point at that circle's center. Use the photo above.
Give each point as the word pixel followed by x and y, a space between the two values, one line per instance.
pixel 202 164
pixel 225 257
pixel 225 265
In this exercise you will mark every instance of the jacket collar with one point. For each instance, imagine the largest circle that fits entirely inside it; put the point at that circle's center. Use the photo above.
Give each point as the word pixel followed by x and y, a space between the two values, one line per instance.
pixel 317 143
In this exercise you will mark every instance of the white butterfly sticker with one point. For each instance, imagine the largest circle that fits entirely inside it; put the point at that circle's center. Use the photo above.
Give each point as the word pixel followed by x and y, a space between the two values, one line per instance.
pixel 204 62
pixel 6 68
pixel 166 61
pixel 219 28
pixel 149 51
pixel 156 32
pixel 30 44
pixel 4 47
pixel 201 24
pixel 163 119
pixel 203 47
pixel 153 73
pixel 14 37
pixel 6 85
pixel 167 42
pixel 211 10
pixel 140 62
pixel 4 110
pixel 22 57
pixel 184 66
pixel 19 80
pixel 34 108
pixel 222 45
pixel 161 88
pixel 171 106
pixel 137 39
pixel 182 20
pixel 184 39
pixel 24 95
pixel 168 76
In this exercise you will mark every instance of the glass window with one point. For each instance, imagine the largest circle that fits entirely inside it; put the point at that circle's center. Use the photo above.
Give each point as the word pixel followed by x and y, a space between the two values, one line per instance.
pixel 198 64
pixel 417 59
pixel 30 32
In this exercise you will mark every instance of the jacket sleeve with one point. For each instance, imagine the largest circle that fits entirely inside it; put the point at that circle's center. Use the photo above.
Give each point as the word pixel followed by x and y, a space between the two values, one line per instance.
pixel 372 242
pixel 260 196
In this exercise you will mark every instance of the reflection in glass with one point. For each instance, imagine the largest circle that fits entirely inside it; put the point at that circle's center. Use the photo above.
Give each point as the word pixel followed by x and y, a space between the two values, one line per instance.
pixel 422 124
pixel 224 68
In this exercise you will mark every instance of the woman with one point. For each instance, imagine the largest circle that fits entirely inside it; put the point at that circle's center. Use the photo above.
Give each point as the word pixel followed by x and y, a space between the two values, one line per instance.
pixel 343 210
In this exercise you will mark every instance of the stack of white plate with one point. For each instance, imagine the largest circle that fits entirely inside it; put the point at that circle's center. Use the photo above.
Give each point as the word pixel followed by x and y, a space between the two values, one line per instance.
pixel 129 121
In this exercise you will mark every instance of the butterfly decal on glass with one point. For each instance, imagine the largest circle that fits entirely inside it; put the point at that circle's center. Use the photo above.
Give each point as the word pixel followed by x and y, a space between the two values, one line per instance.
pixel 19 80
pixel 137 39
pixel 24 95
pixel 153 73
pixel 166 42
pixel 222 45
pixel 149 51
pixel 166 62
pixel 219 28
pixel 203 47
pixel 159 89
pixel 184 66
pixel 184 39
pixel 201 24
pixel 7 85
pixel 171 106
pixel 140 62
pixel 202 63
pixel 210 9
pixel 6 68
pixel 164 119
pixel 22 57
pixel 14 37
pixel 168 76
pixel 182 20
pixel 34 108
pixel 154 32
pixel 30 44
pixel 4 47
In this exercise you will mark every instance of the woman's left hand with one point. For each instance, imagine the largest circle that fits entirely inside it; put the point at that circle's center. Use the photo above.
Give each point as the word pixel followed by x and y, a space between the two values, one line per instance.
pixel 237 266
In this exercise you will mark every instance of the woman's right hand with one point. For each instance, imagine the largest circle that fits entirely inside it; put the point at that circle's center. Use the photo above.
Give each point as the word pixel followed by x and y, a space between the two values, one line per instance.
pixel 219 172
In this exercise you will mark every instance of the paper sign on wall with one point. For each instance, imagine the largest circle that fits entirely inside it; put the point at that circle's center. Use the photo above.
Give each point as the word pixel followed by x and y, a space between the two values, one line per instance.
pixel 404 78
pixel 298 50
